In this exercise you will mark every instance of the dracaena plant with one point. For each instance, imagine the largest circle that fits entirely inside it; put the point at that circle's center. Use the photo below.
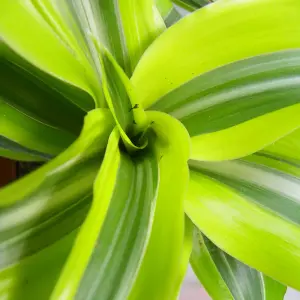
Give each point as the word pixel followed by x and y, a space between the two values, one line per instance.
pixel 160 146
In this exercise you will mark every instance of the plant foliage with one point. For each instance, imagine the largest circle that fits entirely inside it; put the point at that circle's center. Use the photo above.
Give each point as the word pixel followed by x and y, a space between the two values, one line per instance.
pixel 163 139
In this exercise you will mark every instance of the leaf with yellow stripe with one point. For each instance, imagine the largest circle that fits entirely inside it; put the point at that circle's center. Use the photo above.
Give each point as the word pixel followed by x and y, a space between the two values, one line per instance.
pixel 254 202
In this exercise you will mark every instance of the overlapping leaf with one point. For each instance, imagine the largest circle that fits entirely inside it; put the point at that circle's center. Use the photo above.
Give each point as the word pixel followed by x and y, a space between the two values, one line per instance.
pixel 46 206
pixel 192 5
pixel 235 93
pixel 254 203
pixel 45 90
pixel 187 5
pixel 127 248
pixel 24 138
pixel 125 28
pixel 129 116
pixel 116 231
pixel 196 51
pixel 56 83
pixel 168 11
pixel 244 96
pixel 58 62
pixel 219 108
pixel 226 278
pixel 159 276
pixel 35 276
pixel 132 244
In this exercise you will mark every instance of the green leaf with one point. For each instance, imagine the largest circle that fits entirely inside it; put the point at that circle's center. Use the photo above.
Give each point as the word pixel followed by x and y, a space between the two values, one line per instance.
pixel 267 179
pixel 39 95
pixel 285 150
pixel 15 151
pixel 186 250
pixel 141 25
pixel 40 212
pixel 68 71
pixel 59 15
pixel 226 278
pixel 125 28
pixel 192 5
pixel 126 234
pixel 187 5
pixel 227 111
pixel 164 7
pixel 35 276
pixel 129 116
pixel 25 138
pixel 207 270
pixel 192 46
pixel 246 138
pixel 116 230
pixel 52 201
pixel 159 274
pixel 168 11
pixel 254 202
pixel 202 3
pixel 235 93
pixel 246 231
pixel 273 289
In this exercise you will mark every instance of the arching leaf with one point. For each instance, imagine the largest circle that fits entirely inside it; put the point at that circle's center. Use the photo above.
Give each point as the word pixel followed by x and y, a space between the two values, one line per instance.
pixel 254 202
pixel 246 138
pixel 24 138
pixel 68 71
pixel 45 206
pixel 229 111
pixel 235 93
pixel 28 279
pixel 145 247
pixel 226 278
pixel 129 117
pixel 125 28
pixel 193 46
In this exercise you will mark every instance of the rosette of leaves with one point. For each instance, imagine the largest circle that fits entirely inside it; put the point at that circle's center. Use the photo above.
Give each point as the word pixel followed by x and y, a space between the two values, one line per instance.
pixel 159 146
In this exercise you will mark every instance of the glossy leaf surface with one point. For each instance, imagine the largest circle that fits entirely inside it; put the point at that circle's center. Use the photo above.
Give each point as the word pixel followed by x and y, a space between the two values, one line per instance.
pixel 121 100
pixel 27 280
pixel 125 28
pixel 52 201
pixel 229 111
pixel 40 96
pixel 246 138
pixel 68 70
pixel 235 93
pixel 46 206
pixel 254 203
pixel 116 230
pixel 25 138
pixel 159 276
pixel 133 208
pixel 196 51
pixel 229 74
pixel 224 277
